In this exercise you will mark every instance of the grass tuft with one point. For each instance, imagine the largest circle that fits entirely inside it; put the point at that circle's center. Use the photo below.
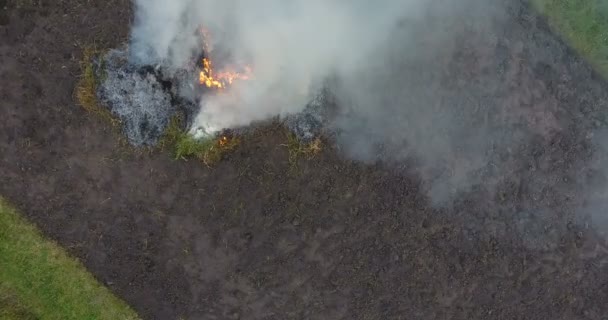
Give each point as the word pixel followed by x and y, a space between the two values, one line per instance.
pixel 39 280
pixel 297 148
pixel 86 88
pixel 209 150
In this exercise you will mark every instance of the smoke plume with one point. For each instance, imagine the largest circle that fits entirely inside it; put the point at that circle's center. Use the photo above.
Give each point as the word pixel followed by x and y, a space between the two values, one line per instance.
pixel 453 85
pixel 387 57
pixel 291 45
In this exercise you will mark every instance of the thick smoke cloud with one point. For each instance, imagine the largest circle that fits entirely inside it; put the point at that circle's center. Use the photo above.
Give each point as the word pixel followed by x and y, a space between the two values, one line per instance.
pixel 387 57
pixel 485 103
pixel 454 86
pixel 292 46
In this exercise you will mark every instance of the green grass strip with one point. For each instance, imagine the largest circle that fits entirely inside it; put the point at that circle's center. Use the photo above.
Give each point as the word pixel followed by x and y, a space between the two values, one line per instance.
pixel 38 280
pixel 584 25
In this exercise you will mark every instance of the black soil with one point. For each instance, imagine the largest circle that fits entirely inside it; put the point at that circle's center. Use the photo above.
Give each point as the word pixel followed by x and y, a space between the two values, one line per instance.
pixel 256 238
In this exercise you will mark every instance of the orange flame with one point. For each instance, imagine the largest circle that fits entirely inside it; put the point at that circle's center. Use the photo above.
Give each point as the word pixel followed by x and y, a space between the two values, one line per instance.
pixel 227 76
pixel 222 79
pixel 223 141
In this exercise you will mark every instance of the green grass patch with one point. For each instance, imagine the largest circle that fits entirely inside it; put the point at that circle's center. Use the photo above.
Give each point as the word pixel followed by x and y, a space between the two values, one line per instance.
pixel 86 89
pixel 208 150
pixel 584 25
pixel 38 280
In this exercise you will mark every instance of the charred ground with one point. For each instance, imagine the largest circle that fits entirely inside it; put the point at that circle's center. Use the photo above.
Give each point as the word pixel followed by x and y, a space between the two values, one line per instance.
pixel 254 238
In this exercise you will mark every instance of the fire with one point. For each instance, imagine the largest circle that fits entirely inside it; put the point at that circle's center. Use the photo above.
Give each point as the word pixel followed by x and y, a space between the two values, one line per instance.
pixel 221 80
pixel 223 141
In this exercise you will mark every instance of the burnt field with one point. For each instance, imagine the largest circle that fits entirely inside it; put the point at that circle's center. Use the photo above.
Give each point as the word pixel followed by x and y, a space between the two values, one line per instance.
pixel 257 237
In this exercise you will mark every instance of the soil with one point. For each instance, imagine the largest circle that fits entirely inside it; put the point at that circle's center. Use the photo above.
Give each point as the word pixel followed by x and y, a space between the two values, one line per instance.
pixel 256 238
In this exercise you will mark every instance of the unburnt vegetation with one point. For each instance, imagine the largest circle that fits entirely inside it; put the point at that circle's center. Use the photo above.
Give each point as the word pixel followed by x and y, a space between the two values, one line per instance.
pixel 184 146
pixel 584 24
pixel 38 280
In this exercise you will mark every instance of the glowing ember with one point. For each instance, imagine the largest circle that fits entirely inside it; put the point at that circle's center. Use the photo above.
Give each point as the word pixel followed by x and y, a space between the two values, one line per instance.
pixel 223 141
pixel 221 79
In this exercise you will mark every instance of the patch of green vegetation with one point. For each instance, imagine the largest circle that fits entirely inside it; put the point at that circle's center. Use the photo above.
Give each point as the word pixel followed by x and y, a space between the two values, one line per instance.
pixel 185 146
pixel 11 308
pixel 38 280
pixel 583 23
pixel 297 149
pixel 86 88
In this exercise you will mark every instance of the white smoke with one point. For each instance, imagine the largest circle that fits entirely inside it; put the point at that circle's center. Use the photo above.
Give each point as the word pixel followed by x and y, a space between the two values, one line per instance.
pixel 387 59
pixel 399 71
pixel 441 80
pixel 291 45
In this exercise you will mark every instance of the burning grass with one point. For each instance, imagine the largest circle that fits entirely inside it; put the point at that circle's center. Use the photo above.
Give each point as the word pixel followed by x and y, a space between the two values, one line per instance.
pixel 38 280
pixel 584 25
pixel 222 79
pixel 210 150
pixel 86 88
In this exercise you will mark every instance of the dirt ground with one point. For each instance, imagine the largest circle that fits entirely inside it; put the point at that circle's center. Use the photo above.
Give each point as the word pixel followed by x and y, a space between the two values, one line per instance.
pixel 334 239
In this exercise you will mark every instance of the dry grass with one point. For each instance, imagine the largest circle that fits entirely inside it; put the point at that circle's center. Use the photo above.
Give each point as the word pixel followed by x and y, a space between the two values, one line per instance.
pixel 298 149
pixel 209 151
pixel 86 88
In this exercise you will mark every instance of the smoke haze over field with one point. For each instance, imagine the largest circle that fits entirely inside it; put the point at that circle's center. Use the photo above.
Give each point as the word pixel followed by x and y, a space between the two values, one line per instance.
pixel 387 57
pixel 292 46
pixel 440 82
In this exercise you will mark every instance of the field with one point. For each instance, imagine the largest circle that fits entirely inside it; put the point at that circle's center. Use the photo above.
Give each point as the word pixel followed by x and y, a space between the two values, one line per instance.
pixel 39 281
pixel 584 24
pixel 276 231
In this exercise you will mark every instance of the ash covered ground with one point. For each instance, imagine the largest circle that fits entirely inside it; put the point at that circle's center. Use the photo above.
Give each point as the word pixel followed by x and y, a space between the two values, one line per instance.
pixel 349 234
